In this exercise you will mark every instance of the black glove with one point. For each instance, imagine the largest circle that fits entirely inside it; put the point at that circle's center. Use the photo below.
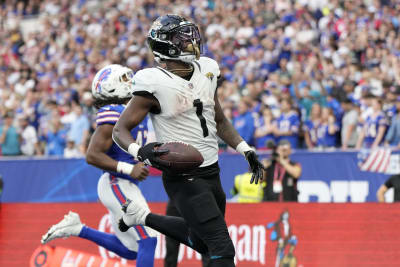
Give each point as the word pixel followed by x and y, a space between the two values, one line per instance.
pixel 255 166
pixel 149 154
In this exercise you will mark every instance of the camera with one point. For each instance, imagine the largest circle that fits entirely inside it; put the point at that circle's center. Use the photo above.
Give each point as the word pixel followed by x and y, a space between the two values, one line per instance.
pixel 271 145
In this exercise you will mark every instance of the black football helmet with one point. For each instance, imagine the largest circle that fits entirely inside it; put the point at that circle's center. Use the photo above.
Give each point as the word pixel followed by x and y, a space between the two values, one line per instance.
pixel 173 37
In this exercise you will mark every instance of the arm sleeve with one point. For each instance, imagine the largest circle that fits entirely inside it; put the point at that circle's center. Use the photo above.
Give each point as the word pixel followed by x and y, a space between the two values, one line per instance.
pixel 141 82
pixel 107 115
pixel 383 121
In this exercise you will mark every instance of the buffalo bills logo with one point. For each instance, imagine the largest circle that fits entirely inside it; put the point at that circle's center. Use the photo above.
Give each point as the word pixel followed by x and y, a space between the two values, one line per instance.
pixel 102 77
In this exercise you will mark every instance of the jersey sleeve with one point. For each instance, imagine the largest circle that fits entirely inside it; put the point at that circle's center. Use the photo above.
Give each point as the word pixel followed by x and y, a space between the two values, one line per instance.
pixel 382 121
pixel 210 65
pixel 107 115
pixel 307 126
pixel 142 82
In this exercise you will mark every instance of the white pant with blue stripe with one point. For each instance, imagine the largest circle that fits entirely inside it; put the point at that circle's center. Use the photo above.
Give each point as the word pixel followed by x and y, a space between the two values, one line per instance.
pixel 113 192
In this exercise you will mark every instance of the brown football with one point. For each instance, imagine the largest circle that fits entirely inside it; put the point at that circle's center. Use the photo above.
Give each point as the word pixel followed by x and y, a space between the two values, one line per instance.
pixel 181 157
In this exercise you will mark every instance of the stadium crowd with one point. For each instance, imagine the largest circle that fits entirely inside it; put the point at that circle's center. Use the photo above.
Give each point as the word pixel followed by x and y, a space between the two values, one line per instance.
pixel 321 74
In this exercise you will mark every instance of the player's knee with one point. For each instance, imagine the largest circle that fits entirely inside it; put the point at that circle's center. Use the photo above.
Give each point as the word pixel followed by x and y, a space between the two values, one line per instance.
pixel 223 249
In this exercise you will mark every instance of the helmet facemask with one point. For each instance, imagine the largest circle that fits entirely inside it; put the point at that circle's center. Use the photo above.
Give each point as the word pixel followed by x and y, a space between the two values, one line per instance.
pixel 187 39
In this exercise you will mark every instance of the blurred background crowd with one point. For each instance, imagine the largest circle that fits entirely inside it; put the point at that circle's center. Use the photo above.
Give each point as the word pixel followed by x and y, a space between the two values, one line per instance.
pixel 320 74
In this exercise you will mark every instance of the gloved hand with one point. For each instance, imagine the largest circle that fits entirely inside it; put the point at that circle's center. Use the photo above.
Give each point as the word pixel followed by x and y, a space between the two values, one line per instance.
pixel 255 166
pixel 149 154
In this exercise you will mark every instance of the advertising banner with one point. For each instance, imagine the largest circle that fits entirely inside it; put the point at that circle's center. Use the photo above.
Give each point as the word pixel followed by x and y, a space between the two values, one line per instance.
pixel 266 234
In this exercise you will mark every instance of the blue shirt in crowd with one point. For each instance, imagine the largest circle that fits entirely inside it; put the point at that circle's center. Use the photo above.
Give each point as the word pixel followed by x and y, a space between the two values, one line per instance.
pixel 261 142
pixel 244 124
pixel 289 122
pixel 56 142
pixel 324 138
pixel 371 127
pixel 78 126
pixel 393 134
pixel 310 127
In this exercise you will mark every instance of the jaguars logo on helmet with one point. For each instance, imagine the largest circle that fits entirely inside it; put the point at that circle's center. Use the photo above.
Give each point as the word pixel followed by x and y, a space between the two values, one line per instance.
pixel 172 37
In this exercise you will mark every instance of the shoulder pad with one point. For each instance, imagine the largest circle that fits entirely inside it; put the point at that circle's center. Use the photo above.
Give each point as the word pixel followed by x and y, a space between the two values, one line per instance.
pixel 144 79
pixel 209 65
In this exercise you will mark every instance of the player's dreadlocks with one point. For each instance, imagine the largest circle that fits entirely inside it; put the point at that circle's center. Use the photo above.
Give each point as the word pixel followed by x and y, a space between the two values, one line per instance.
pixel 98 103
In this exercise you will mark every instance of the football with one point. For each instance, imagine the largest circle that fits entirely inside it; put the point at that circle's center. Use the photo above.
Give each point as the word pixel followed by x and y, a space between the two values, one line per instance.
pixel 181 157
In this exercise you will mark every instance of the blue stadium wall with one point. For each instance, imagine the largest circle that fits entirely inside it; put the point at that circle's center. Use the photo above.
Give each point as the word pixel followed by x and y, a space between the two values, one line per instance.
pixel 326 177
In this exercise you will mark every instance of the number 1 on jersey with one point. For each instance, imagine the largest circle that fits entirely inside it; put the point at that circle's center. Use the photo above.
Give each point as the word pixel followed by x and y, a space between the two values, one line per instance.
pixel 199 111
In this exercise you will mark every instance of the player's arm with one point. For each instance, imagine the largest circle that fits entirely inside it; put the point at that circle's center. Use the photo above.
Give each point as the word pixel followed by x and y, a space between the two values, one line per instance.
pixel 380 194
pixel 99 144
pixel 134 113
pixel 229 135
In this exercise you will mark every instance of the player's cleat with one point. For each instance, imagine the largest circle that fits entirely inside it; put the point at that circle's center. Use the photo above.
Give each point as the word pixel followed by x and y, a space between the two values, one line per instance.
pixel 69 226
pixel 134 215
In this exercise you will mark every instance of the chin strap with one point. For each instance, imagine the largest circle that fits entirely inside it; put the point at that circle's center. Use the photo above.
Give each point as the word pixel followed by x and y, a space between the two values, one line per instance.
pixel 183 72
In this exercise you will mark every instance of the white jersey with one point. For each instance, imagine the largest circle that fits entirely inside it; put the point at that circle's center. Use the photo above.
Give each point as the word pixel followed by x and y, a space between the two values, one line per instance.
pixel 187 107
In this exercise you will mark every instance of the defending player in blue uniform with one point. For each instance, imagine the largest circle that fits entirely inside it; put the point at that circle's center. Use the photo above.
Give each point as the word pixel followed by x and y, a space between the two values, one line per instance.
pixel 111 89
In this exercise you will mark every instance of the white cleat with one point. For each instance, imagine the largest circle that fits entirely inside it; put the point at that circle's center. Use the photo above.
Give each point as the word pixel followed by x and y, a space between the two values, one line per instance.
pixel 69 226
pixel 134 213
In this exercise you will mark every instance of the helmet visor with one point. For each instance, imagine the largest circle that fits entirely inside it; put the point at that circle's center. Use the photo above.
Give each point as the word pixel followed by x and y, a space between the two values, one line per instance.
pixel 185 35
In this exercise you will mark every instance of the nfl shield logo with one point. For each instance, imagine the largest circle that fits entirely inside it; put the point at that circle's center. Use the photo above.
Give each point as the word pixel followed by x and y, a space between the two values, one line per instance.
pixel 191 85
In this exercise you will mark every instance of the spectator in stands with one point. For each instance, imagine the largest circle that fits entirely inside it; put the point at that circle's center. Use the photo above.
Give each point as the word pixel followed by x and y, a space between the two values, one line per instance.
pixel 287 124
pixel 29 138
pixel 244 122
pixel 281 175
pixel 392 182
pixel 55 137
pixel 9 137
pixel 265 129
pixel 79 131
pixel 311 125
pixel 374 127
pixel 349 125
pixel 393 135
pixel 309 50
pixel 71 151
pixel 327 131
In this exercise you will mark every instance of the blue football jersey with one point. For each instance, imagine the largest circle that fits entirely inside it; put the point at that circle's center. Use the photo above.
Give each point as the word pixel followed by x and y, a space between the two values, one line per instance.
pixel 311 127
pixel 261 142
pixel 371 126
pixel 289 122
pixel 109 115
pixel 324 138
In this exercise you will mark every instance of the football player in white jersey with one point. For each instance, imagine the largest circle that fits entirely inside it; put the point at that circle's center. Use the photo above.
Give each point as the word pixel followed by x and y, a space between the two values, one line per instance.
pixel 112 89
pixel 183 105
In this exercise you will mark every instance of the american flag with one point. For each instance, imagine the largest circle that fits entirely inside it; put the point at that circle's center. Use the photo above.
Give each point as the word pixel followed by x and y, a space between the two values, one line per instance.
pixel 376 160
